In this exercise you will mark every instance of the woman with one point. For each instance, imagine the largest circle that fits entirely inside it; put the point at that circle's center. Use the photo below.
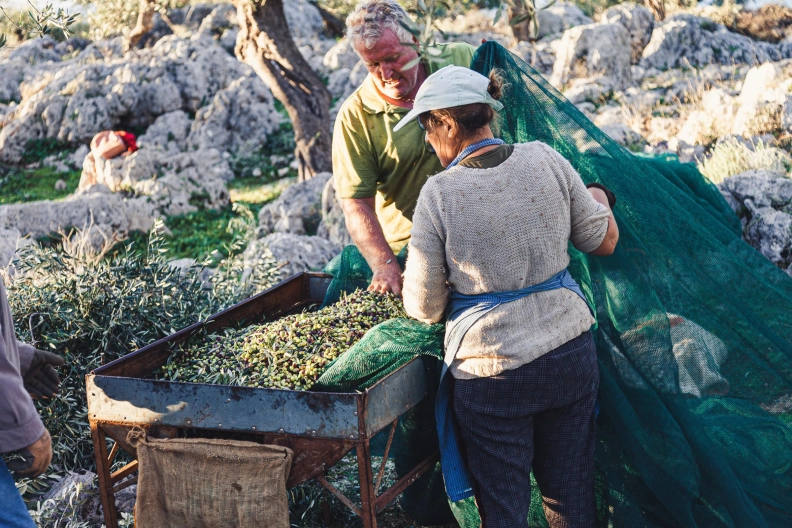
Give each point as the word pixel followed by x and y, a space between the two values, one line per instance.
pixel 497 222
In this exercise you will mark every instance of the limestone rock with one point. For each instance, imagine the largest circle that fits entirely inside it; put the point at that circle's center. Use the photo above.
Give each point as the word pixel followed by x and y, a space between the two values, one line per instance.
pixel 595 90
pixel 37 50
pixel 786 114
pixel 638 20
pixel 762 102
pixel 676 40
pixel 78 157
pixel 333 224
pixel 74 100
pixel 12 73
pixel 169 183
pixel 541 55
pixel 764 188
pixel 770 232
pixel 593 50
pixel 168 132
pixel 108 213
pixel 239 117
pixel 764 199
pixel 559 17
pixel 697 128
pixel 684 40
pixel 304 20
pixel 298 210
pixel 622 134
pixel 188 181
pixel 222 17
pixel 293 253
pixel 341 55
pixel 342 83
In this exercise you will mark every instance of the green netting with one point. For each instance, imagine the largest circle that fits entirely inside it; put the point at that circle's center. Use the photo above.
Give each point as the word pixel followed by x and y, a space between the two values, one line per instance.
pixel 693 340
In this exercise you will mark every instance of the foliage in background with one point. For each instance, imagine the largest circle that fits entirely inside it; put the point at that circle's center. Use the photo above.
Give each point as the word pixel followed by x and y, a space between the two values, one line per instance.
pixel 110 18
pixel 95 305
pixel 33 22
pixel 732 157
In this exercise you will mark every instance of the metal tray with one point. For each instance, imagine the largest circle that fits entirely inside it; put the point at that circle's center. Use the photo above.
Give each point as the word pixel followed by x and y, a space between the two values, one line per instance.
pixel 319 427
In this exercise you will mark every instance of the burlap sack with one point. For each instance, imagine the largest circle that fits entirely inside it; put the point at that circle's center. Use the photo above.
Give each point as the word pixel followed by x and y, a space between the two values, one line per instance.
pixel 202 483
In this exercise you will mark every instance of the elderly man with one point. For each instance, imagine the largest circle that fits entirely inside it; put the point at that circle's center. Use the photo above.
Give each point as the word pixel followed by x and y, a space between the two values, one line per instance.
pixel 25 373
pixel 378 175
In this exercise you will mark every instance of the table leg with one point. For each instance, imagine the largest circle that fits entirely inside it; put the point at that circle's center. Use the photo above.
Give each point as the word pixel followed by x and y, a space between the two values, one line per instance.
pixel 103 470
pixel 368 497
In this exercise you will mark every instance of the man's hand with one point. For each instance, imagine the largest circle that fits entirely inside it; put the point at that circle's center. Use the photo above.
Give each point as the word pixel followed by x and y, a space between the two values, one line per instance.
pixel 41 380
pixel 387 278
pixel 37 458
pixel 366 233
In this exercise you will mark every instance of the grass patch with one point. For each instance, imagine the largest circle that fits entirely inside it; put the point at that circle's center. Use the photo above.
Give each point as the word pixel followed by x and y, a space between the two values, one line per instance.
pixel 732 157
pixel 253 193
pixel 38 149
pixel 25 185
pixel 197 235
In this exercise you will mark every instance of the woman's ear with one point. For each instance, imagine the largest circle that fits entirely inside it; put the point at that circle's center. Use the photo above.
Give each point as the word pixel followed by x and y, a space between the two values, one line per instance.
pixel 450 126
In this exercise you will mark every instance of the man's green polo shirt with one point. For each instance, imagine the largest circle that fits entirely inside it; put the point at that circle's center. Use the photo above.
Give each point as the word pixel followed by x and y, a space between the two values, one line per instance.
pixel 369 160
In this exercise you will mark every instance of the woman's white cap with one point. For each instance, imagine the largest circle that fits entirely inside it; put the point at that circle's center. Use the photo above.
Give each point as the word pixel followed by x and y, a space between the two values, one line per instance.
pixel 448 87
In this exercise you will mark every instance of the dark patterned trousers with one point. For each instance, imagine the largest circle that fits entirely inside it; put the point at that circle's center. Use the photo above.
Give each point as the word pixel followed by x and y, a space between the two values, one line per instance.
pixel 540 416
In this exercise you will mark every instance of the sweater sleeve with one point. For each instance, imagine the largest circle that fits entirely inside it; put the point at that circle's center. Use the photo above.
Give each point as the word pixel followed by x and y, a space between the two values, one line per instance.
pixel 589 218
pixel 20 425
pixel 425 276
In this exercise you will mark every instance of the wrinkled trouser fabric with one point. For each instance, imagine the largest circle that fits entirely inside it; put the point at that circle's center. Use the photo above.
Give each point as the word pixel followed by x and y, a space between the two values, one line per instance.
pixel 13 513
pixel 540 416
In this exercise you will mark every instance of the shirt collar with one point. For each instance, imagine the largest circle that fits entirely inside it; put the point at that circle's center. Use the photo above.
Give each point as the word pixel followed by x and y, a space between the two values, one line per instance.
pixel 373 102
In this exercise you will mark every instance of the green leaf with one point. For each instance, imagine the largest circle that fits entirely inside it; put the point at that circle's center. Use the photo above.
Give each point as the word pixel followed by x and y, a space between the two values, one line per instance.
pixel 498 14
pixel 521 18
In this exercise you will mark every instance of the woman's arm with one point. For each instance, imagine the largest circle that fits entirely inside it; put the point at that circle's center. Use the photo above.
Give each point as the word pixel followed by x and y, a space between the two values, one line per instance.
pixel 593 227
pixel 608 244
pixel 426 274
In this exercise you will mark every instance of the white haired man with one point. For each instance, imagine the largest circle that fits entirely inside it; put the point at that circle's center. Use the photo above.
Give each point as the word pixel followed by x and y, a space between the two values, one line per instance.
pixel 379 175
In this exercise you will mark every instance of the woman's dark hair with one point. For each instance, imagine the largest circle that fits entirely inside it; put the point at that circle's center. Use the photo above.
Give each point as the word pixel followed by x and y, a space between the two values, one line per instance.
pixel 470 117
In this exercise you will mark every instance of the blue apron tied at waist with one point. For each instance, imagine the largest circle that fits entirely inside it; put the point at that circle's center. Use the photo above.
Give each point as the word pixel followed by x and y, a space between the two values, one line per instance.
pixel 463 312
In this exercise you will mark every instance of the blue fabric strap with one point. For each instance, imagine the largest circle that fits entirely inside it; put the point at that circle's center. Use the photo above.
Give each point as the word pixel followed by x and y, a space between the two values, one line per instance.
pixel 463 312
pixel 474 147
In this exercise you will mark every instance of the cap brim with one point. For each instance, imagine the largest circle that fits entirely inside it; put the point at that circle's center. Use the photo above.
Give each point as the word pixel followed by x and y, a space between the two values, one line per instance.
pixel 411 115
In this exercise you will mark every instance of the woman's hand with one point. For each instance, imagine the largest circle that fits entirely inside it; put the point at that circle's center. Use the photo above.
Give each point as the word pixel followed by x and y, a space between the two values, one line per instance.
pixel 387 278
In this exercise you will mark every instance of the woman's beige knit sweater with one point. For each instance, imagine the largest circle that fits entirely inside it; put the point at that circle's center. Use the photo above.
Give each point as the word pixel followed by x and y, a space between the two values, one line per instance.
pixel 502 229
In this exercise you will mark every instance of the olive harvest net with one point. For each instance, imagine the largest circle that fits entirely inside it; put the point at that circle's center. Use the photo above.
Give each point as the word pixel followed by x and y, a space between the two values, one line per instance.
pixel 693 335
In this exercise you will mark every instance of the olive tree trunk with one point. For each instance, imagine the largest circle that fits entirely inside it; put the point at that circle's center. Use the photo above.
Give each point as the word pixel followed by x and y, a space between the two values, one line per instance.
pixel 657 7
pixel 145 22
pixel 265 44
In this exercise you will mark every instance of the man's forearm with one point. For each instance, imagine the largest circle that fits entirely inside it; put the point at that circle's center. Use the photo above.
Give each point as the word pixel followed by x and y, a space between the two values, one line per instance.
pixel 366 231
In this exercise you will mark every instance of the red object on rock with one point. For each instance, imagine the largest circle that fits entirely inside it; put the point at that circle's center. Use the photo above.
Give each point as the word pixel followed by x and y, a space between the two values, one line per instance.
pixel 129 140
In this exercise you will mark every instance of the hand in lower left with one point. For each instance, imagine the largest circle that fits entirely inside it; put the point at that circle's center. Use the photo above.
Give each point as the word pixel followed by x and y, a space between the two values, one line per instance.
pixel 41 380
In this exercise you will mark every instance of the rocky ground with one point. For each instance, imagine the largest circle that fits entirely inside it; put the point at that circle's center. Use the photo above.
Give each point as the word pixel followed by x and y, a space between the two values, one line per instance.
pixel 710 85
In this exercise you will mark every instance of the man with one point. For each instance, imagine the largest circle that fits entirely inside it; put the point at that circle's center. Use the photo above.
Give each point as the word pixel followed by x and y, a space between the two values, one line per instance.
pixel 25 373
pixel 378 175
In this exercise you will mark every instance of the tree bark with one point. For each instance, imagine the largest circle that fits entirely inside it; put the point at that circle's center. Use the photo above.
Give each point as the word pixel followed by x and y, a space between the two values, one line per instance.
pixel 145 22
pixel 265 44
pixel 657 7
pixel 334 26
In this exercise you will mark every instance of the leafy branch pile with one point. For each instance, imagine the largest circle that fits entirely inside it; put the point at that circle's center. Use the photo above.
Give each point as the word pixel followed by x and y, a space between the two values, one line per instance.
pixel 290 353
pixel 93 306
